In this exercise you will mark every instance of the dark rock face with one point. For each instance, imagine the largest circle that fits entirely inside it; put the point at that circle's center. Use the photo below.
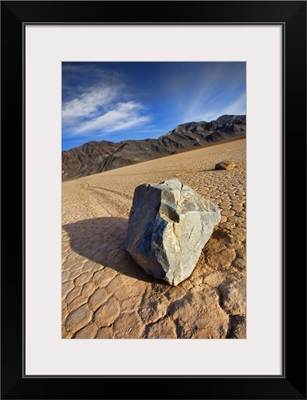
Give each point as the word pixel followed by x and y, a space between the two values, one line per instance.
pixel 169 224
pixel 86 159
pixel 94 157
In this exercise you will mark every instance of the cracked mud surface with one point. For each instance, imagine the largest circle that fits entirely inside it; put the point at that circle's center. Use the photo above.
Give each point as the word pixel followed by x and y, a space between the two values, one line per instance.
pixel 105 294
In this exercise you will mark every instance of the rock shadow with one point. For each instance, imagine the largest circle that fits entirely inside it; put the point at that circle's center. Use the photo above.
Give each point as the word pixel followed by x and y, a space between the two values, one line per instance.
pixel 207 170
pixel 102 240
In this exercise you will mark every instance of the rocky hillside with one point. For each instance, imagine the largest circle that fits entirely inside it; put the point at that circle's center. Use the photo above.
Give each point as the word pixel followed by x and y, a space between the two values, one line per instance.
pixel 94 157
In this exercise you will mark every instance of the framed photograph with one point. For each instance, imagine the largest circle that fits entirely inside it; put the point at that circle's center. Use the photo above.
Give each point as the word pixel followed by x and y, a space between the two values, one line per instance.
pixel 162 149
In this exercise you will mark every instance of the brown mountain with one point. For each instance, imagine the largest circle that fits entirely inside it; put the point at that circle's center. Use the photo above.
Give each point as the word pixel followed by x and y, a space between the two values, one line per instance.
pixel 94 157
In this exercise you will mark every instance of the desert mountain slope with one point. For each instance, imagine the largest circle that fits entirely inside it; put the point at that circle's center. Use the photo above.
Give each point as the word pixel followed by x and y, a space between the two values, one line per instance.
pixel 94 157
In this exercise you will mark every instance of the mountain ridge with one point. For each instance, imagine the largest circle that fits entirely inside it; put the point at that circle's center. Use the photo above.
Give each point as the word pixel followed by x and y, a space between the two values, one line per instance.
pixel 98 156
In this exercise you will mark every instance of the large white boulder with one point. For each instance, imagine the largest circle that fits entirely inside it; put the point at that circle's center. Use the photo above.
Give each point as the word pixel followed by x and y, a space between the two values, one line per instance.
pixel 169 224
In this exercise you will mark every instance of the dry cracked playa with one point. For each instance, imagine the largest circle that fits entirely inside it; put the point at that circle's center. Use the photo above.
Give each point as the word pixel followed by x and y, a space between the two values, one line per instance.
pixel 105 294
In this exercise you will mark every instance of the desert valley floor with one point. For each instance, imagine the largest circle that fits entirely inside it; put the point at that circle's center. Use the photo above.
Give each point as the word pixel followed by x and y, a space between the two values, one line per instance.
pixel 105 294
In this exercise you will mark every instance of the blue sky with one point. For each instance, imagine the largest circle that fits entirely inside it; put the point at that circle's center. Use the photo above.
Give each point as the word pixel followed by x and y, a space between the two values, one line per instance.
pixel 136 100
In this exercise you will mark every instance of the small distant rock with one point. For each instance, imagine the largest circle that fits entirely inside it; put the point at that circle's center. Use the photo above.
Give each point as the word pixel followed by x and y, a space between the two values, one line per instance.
pixel 169 224
pixel 225 165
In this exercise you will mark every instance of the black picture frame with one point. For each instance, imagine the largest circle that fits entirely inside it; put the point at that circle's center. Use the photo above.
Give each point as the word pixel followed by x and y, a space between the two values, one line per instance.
pixel 292 16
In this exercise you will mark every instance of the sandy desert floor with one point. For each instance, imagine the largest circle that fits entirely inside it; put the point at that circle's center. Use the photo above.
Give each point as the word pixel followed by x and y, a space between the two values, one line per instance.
pixel 105 294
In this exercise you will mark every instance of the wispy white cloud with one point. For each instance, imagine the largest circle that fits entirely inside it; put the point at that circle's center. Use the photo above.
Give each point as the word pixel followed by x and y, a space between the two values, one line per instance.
pixel 207 106
pixel 228 105
pixel 211 92
pixel 121 116
pixel 202 104
pixel 87 105
pixel 96 101
pixel 237 106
